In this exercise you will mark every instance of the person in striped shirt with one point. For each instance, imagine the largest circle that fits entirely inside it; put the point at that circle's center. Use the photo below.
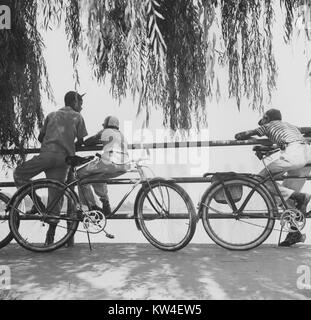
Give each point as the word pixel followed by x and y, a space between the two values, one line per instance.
pixel 295 155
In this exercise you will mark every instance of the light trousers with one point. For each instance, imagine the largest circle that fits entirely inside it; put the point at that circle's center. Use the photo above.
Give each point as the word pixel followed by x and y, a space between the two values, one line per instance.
pixel 293 161
pixel 98 169
pixel 52 164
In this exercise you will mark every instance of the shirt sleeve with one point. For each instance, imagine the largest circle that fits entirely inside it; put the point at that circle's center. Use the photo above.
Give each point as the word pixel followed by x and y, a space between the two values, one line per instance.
pixel 43 129
pixel 106 135
pixel 261 131
pixel 81 129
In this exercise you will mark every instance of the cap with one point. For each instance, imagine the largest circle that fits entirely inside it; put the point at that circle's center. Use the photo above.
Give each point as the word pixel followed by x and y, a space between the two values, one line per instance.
pixel 72 96
pixel 272 115
pixel 111 122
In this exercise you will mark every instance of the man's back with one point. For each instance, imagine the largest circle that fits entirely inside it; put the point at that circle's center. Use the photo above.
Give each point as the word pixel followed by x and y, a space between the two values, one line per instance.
pixel 115 145
pixel 60 130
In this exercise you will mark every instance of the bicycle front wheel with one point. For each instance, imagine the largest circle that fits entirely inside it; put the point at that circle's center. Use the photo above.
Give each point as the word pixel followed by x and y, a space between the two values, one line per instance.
pixel 43 216
pixel 165 215
pixel 5 233
pixel 238 224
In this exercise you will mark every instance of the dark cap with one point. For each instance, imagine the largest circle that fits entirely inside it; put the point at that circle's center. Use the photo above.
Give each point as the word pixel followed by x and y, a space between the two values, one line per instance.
pixel 71 96
pixel 271 115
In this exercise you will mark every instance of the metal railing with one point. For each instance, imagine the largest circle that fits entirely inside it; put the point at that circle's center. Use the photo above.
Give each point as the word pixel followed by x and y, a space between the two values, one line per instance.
pixel 168 145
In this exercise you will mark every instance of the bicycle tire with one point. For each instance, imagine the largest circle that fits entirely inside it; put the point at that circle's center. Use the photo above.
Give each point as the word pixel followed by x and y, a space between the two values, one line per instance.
pixel 144 226
pixel 207 217
pixel 7 237
pixel 16 218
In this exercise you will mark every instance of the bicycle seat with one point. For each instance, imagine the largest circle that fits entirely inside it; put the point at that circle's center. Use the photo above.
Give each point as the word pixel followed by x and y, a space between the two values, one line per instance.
pixel 263 149
pixel 76 161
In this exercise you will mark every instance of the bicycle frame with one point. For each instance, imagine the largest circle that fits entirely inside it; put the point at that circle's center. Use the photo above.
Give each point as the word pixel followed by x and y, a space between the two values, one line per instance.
pixel 270 177
pixel 85 181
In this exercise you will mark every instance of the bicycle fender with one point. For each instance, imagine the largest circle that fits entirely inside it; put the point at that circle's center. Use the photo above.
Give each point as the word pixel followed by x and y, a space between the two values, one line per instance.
pixel 247 178
pixel 139 193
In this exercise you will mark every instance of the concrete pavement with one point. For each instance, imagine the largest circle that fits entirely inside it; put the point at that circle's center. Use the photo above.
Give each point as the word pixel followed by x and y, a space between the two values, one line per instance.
pixel 139 271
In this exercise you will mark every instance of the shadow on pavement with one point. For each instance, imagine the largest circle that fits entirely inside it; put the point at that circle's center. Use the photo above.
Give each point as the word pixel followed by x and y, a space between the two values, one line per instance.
pixel 139 271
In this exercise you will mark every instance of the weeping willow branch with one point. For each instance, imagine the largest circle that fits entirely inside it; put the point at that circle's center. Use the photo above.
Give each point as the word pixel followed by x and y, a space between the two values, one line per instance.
pixel 73 30
pixel 23 76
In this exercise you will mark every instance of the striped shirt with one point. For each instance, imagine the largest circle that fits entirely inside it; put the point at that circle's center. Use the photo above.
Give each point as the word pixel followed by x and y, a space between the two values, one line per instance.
pixel 280 133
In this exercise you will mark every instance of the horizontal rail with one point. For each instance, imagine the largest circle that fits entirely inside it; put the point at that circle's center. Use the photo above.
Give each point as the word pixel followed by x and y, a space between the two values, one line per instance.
pixel 176 179
pixel 169 145
pixel 163 145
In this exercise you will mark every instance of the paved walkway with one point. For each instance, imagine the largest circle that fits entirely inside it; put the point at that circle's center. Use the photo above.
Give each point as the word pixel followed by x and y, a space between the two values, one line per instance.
pixel 139 271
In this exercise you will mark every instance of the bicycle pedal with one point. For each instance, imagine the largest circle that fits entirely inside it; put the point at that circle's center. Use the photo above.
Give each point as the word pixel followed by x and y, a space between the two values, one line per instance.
pixel 110 236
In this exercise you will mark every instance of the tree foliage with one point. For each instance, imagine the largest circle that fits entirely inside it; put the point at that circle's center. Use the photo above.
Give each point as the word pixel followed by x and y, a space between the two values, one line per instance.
pixel 167 54
pixel 22 76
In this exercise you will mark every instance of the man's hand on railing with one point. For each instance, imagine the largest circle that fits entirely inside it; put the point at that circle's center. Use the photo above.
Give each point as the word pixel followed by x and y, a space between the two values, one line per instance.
pixel 245 135
pixel 240 136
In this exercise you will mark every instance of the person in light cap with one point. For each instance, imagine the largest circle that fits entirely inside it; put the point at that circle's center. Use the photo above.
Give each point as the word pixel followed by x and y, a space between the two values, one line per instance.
pixel 113 163
pixel 295 155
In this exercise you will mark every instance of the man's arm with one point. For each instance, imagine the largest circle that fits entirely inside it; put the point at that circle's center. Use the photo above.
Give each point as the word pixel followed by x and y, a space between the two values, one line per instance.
pixel 41 136
pixel 81 133
pixel 94 140
pixel 79 143
pixel 43 131
pixel 246 135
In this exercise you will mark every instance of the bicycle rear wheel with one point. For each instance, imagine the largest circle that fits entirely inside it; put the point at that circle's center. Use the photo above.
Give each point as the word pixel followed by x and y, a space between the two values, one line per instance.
pixel 165 215
pixel 243 225
pixel 5 234
pixel 42 217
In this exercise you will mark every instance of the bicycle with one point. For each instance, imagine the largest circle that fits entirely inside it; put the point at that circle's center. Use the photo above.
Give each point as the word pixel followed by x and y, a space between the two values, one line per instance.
pixel 163 211
pixel 239 212
pixel 5 234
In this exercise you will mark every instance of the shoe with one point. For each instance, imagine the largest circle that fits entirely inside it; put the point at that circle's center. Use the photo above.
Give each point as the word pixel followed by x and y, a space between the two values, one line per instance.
pixel 50 235
pixel 302 202
pixel 96 208
pixel 106 208
pixel 292 238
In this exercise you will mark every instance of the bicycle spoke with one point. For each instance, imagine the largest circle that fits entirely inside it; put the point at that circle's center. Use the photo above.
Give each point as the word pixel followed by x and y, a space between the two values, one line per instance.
pixel 43 215
pixel 166 216
pixel 242 229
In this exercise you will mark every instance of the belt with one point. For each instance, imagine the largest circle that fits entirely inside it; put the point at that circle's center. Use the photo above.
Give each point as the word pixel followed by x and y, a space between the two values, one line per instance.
pixel 284 145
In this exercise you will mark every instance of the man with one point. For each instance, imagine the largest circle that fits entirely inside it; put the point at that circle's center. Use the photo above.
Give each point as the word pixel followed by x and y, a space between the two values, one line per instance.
pixel 295 155
pixel 113 163
pixel 58 135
